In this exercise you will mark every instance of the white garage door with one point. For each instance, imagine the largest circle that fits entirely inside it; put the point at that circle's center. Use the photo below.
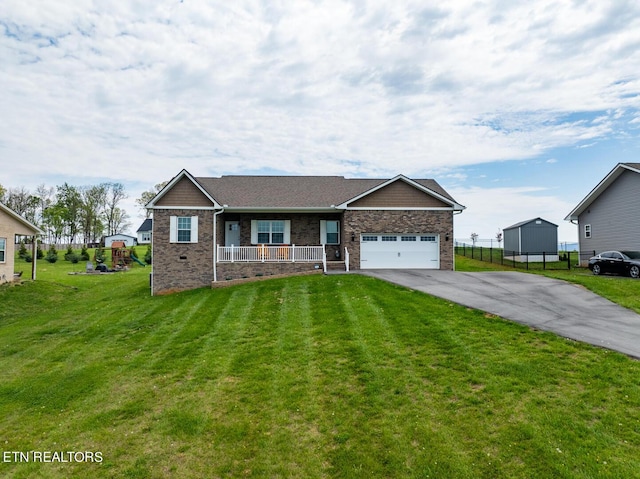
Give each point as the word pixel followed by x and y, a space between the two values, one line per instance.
pixel 396 251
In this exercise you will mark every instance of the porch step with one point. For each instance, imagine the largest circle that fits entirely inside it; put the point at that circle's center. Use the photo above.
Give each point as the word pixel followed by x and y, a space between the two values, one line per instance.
pixel 336 266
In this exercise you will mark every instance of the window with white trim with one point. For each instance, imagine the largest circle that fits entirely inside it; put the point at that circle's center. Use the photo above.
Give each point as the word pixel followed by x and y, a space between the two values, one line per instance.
pixel 183 229
pixel 270 231
pixel 389 238
pixel 145 236
pixel 367 238
pixel 3 250
pixel 329 232
pixel 587 231
pixel 428 238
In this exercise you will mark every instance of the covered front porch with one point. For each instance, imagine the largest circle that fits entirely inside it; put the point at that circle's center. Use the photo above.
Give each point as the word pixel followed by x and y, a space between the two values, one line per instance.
pixel 233 262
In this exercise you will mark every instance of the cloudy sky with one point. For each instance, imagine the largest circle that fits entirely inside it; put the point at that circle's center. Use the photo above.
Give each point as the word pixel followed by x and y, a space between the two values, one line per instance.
pixel 517 108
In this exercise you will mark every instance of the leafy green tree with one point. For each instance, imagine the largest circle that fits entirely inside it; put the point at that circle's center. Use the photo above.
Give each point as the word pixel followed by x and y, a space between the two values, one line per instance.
pixel 70 205
pixel 93 200
pixel 53 218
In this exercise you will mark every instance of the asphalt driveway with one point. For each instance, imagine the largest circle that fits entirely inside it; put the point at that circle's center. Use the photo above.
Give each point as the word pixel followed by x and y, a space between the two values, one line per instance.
pixel 540 302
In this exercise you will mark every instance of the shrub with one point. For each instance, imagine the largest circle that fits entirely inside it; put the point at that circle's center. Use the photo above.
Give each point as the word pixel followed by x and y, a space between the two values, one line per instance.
pixel 84 254
pixel 39 252
pixel 22 252
pixel 147 256
pixel 52 255
pixel 132 251
pixel 67 255
pixel 73 257
pixel 28 258
pixel 99 255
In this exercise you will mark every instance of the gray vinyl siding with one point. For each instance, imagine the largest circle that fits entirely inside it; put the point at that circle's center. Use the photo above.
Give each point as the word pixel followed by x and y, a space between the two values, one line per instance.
pixel 540 238
pixel 532 238
pixel 614 217
pixel 512 240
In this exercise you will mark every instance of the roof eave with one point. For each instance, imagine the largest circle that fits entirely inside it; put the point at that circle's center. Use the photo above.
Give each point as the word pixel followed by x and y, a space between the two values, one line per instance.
pixel 598 190
pixel 22 220
pixel 277 209
pixel 409 181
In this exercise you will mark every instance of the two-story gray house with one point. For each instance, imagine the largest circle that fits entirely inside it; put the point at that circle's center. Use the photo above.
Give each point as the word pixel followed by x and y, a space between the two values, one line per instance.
pixel 608 217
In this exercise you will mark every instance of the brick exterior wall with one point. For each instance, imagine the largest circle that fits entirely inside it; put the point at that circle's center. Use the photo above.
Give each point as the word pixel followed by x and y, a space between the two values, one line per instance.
pixel 398 221
pixel 180 266
pixel 229 271
pixel 305 228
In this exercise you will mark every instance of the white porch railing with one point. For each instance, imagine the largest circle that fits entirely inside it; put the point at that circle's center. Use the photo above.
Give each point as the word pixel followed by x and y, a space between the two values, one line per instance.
pixel 271 254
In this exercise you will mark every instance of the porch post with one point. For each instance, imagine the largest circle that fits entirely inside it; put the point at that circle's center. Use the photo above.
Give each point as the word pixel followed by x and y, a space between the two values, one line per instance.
pixel 215 244
pixel 34 256
pixel 293 253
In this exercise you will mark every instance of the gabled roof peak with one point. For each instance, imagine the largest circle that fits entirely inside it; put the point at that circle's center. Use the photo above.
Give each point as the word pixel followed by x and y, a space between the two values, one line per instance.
pixel 601 187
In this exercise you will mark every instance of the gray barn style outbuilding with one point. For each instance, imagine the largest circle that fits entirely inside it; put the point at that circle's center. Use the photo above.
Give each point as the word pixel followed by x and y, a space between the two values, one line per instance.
pixel 531 240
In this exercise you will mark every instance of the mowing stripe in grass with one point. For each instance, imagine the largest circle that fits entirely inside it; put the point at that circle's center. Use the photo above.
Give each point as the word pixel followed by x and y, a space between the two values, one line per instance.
pixel 392 403
pixel 292 392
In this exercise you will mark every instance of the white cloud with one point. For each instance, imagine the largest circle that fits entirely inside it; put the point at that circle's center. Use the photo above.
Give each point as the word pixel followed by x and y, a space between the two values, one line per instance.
pixel 143 89
pixel 492 209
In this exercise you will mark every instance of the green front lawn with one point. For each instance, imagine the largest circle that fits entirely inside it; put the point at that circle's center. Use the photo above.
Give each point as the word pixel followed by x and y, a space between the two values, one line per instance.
pixel 317 376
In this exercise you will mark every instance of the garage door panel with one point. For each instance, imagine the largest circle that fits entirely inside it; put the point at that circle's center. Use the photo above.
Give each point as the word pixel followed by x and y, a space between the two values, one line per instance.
pixel 396 251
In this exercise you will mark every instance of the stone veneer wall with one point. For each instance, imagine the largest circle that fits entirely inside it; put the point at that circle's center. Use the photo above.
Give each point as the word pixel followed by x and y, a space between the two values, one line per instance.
pixel 180 266
pixel 398 221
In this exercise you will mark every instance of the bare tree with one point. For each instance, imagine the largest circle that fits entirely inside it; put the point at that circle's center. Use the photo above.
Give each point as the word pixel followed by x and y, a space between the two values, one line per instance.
pixel 148 195
pixel 114 215
pixel 45 197
pixel 21 201
pixel 119 222
pixel 474 238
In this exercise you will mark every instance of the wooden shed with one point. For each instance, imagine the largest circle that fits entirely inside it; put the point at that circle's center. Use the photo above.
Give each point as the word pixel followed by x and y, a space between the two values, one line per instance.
pixel 531 240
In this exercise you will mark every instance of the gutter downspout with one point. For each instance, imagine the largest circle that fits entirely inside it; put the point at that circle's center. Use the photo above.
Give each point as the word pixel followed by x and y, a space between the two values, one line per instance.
pixel 453 238
pixel 577 223
pixel 215 244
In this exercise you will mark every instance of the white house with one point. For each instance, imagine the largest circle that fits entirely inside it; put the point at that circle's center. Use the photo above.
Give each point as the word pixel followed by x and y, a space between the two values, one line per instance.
pixel 128 240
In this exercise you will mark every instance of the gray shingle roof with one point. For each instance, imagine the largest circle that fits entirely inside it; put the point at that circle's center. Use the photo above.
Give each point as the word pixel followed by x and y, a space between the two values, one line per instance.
pixel 146 225
pixel 294 191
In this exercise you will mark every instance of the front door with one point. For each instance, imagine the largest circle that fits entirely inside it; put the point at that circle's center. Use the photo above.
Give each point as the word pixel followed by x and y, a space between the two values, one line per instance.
pixel 232 233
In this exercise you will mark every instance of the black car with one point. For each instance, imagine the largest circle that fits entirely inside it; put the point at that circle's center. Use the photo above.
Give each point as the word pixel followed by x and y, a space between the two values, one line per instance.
pixel 616 262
